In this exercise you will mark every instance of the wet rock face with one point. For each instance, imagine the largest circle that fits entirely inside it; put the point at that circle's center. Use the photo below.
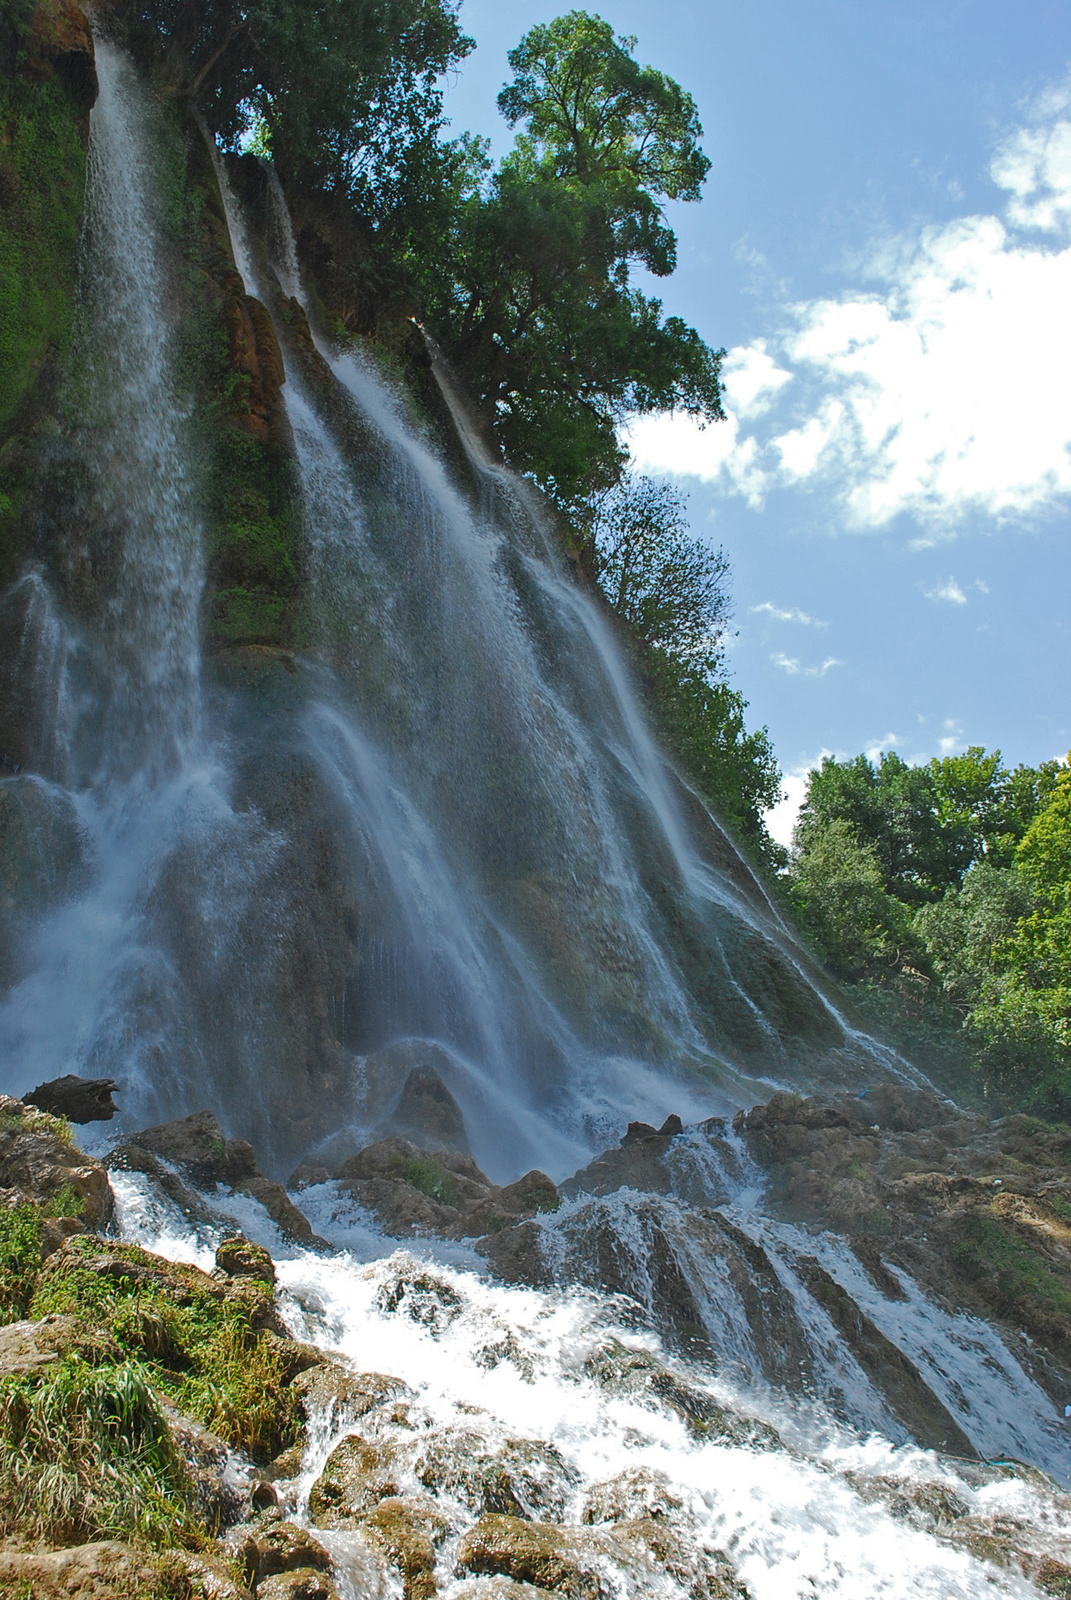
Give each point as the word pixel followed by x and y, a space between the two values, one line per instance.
pixel 198 1145
pixel 977 1211
pixel 445 1193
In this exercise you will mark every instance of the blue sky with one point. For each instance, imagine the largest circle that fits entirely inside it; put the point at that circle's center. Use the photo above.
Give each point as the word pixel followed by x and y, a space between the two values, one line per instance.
pixel 884 248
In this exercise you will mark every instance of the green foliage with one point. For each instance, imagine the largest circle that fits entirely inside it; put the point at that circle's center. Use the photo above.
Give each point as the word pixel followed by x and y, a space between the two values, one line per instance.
pixel 734 769
pixel 963 912
pixel 199 1347
pixel 530 290
pixel 20 1260
pixel 345 93
pixel 669 586
pixel 839 887
pixel 87 1455
pixel 670 591
pixel 427 1176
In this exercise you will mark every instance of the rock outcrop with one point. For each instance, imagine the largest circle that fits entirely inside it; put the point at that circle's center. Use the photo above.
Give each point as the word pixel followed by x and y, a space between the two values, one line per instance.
pixel 75 1099
pixel 415 1192
pixel 198 1147
pixel 40 1164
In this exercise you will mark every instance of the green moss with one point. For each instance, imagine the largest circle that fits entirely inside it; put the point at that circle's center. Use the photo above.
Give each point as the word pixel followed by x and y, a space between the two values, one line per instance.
pixel 200 1348
pixel 427 1176
pixel 1024 1284
pixel 42 182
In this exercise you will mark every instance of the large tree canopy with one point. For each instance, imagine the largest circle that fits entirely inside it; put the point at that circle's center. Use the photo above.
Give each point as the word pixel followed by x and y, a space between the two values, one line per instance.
pixel 341 90
pixel 533 299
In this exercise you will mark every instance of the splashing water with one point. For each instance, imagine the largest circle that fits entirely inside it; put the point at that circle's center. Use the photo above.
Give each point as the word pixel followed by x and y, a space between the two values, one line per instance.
pixel 800 1504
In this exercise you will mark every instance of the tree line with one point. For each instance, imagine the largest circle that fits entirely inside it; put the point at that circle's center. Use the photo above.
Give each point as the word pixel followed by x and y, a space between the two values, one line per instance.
pixel 941 894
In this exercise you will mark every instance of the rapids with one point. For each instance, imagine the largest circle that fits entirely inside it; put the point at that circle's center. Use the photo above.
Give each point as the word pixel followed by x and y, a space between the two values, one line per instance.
pixel 801 1504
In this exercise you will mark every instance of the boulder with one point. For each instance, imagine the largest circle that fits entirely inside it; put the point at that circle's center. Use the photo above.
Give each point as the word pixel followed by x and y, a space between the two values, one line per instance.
pixel 39 1159
pixel 133 1157
pixel 198 1144
pixel 102 1570
pixel 638 1492
pixel 306 1584
pixel 357 1475
pixel 75 1099
pixel 569 1561
pixel 332 1386
pixel 266 1548
pixel 428 1114
pixel 519 1477
pixel 291 1222
pixel 238 1257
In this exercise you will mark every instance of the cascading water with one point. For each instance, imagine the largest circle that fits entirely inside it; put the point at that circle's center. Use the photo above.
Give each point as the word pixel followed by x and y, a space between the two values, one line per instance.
pixel 799 1503
pixel 443 836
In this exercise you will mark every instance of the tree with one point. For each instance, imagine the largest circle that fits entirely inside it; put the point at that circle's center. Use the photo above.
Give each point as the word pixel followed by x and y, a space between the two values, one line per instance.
pixel 593 114
pixel 895 810
pixel 345 93
pixel 838 886
pixel 531 295
pixel 671 592
pixel 671 587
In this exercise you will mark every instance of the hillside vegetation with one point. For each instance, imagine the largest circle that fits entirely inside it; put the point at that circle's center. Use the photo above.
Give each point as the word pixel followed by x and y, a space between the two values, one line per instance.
pixel 942 895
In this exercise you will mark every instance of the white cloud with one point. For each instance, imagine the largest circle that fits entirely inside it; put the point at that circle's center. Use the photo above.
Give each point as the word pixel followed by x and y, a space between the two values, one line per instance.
pixel 949 591
pixel 951 741
pixel 877 749
pixel 792 615
pixel 794 667
pixel 942 393
pixel 781 818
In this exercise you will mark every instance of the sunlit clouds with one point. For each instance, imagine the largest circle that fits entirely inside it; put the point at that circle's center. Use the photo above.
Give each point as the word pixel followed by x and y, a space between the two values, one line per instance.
pixel 939 392
pixel 796 669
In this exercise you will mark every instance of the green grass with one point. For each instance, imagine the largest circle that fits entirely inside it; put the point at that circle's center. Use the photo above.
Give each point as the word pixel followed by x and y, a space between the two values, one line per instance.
pixel 20 1260
pixel 87 1455
pixel 200 1350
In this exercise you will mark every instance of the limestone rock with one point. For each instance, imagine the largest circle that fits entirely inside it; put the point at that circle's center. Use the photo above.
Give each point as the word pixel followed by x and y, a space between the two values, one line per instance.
pixel 407 1529
pixel 569 1561
pixel 38 1159
pixel 428 1114
pixel 519 1477
pixel 638 1492
pixel 75 1099
pixel 238 1257
pixel 332 1385
pixel 357 1474
pixel 290 1221
pixel 305 1584
pixel 133 1157
pixel 221 1493
pixel 197 1143
pixel 20 1350
pixel 268 1548
pixel 105 1569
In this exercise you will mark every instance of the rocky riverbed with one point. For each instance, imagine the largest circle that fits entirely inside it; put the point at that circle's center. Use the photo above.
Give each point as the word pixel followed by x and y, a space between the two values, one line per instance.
pixel 185 1416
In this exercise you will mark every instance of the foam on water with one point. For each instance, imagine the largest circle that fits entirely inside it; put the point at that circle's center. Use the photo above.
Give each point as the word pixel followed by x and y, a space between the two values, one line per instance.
pixel 791 1517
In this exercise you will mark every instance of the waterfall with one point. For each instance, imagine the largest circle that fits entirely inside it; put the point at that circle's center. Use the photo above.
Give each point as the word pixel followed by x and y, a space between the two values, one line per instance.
pixel 451 843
